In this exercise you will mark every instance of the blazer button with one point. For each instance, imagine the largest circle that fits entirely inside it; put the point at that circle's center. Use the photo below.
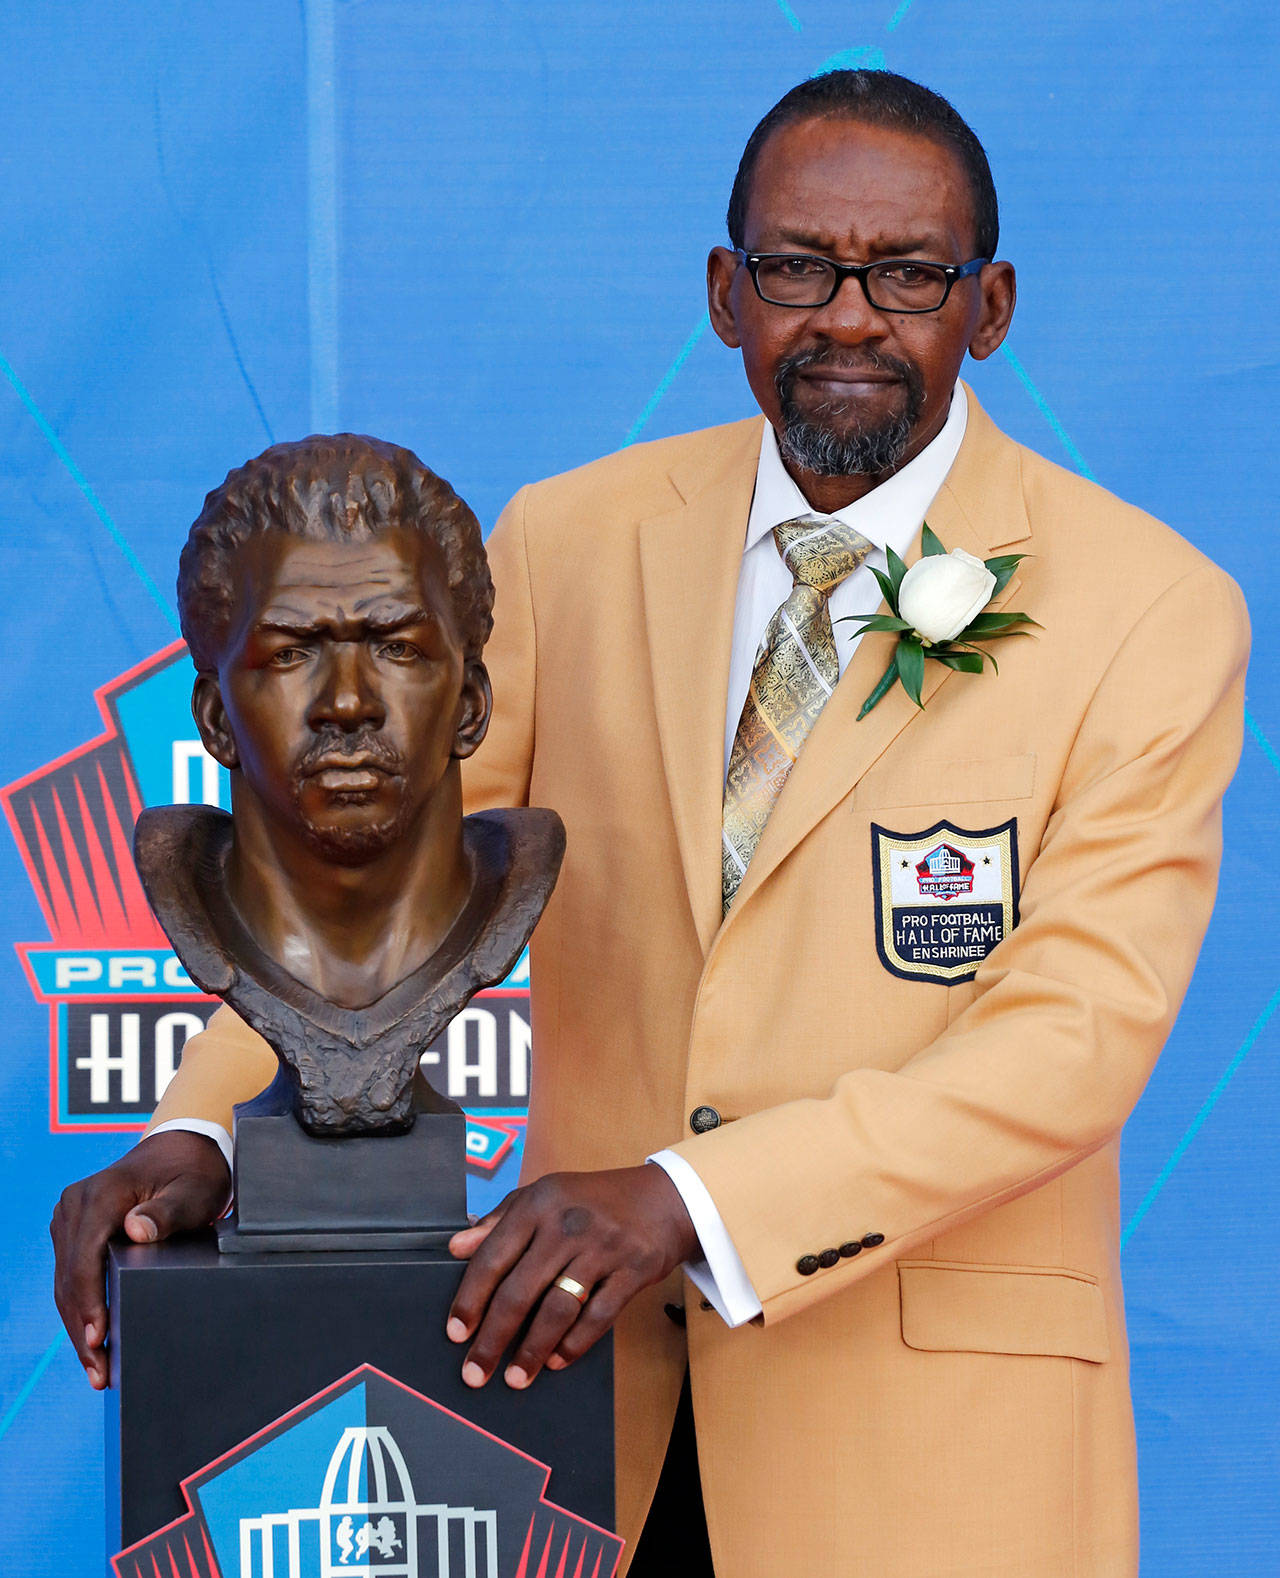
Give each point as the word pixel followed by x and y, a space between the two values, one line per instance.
pixel 850 1249
pixel 674 1313
pixel 829 1258
pixel 703 1119
pixel 807 1265
pixel 870 1240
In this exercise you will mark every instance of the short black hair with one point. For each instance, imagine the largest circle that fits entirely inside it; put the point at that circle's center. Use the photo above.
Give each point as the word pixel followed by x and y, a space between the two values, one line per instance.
pixel 328 489
pixel 877 98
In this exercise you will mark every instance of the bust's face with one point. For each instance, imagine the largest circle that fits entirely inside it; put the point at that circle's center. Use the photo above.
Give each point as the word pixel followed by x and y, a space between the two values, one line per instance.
pixel 343 692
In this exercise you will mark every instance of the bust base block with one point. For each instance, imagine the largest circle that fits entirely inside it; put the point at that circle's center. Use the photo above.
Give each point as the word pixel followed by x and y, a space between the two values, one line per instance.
pixel 296 1191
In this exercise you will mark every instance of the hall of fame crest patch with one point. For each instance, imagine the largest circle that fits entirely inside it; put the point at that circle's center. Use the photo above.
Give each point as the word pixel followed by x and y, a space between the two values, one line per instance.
pixel 944 898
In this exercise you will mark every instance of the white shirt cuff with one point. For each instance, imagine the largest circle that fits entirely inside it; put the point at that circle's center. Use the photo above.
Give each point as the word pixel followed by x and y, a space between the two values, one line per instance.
pixel 719 1276
pixel 211 1131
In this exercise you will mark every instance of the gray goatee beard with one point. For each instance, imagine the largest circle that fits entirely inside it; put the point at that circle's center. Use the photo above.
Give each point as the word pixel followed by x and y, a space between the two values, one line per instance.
pixel 825 451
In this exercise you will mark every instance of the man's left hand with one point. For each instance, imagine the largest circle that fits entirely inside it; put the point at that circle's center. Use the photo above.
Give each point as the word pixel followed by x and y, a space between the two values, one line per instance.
pixel 613 1233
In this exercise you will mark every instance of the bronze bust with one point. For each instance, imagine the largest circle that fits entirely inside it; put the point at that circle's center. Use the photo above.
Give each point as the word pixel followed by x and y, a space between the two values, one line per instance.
pixel 336 599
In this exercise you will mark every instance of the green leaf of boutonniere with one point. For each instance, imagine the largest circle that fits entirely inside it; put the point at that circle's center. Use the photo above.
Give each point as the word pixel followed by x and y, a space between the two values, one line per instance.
pixel 988 625
pixel 897 569
pixel 1002 567
pixel 887 589
pixel 910 658
pixel 931 544
pixel 879 622
pixel 965 662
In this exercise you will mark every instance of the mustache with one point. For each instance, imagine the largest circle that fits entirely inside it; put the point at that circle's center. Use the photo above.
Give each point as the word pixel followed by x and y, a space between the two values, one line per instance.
pixel 333 744
pixel 845 361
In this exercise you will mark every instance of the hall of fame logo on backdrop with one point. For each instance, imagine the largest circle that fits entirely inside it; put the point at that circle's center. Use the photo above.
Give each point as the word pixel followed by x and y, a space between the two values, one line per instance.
pixel 370 1479
pixel 121 1007
pixel 943 898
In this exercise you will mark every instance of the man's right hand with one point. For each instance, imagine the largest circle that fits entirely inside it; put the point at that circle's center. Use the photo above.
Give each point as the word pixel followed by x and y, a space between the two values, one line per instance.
pixel 169 1183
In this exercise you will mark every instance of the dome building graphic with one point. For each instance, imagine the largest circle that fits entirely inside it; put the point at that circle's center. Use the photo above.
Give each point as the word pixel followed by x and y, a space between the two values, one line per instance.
pixel 368 1521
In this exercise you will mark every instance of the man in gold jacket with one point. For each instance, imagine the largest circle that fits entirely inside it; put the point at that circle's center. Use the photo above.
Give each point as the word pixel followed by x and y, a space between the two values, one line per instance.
pixel 878 1006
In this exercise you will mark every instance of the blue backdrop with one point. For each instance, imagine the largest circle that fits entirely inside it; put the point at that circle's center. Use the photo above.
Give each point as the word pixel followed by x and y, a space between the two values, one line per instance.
pixel 479 230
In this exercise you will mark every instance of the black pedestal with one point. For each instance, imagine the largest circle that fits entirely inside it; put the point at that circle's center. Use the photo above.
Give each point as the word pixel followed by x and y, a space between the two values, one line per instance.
pixel 208 1349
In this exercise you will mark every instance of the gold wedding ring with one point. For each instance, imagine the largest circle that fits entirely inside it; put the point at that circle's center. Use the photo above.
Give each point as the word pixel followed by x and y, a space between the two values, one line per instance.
pixel 570 1285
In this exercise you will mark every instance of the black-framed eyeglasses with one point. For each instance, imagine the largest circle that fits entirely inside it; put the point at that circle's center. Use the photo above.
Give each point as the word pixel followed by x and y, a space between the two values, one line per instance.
pixel 799 279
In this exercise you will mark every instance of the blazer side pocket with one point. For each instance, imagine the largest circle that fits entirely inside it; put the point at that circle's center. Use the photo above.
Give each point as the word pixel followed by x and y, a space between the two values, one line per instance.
pixel 947 783
pixel 953 1306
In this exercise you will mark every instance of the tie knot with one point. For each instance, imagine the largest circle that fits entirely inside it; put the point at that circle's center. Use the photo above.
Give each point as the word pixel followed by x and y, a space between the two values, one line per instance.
pixel 820 551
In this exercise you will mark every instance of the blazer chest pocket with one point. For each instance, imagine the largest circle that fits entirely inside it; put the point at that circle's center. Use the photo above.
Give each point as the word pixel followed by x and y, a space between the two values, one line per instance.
pixel 956 1307
pixel 946 783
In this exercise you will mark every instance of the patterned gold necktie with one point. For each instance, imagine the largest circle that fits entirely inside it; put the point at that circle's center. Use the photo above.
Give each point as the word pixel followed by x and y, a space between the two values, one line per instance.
pixel 796 670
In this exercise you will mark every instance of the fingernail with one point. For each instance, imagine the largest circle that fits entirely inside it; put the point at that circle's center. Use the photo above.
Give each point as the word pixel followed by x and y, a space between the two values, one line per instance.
pixel 91 1336
pixel 149 1229
pixel 516 1377
pixel 555 1362
pixel 472 1374
pixel 455 1331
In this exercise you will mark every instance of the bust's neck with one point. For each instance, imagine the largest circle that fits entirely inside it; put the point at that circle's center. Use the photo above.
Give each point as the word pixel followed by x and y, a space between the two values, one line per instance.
pixel 350 933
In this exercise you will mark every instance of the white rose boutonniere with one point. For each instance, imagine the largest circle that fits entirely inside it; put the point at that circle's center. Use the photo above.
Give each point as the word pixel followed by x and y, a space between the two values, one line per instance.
pixel 936 610
pixel 943 592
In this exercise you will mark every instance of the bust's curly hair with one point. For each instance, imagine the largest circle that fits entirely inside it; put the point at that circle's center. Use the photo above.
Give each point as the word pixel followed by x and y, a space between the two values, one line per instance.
pixel 328 489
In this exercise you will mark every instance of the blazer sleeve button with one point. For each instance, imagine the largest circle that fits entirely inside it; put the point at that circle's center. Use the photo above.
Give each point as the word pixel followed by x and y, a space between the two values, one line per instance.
pixel 807 1265
pixel 703 1119
pixel 852 1248
pixel 870 1240
pixel 829 1258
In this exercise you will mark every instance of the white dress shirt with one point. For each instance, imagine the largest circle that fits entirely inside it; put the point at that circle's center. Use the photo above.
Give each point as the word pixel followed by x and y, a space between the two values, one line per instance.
pixel 889 516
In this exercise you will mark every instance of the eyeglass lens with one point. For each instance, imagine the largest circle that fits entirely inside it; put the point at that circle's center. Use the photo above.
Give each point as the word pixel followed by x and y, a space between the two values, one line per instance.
pixel 810 281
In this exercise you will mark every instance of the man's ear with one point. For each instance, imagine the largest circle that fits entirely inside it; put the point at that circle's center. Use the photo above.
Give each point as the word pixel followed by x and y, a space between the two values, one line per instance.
pixel 211 721
pixel 999 287
pixel 474 709
pixel 722 267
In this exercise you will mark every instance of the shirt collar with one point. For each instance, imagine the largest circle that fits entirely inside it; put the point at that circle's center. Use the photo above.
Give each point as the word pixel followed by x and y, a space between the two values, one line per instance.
pixel 889 515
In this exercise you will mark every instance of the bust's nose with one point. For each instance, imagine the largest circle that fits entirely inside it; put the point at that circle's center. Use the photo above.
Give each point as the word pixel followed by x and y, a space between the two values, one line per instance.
pixel 347 694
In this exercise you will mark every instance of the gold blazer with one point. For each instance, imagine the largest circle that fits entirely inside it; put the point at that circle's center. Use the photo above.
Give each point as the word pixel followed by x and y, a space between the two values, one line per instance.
pixel 952 1400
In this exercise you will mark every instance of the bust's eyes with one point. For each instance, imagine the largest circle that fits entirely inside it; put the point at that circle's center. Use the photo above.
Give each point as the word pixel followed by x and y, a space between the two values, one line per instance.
pixel 394 650
pixel 398 651
pixel 287 657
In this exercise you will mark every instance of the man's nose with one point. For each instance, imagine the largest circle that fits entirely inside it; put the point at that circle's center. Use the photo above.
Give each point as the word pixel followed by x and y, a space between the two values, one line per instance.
pixel 348 694
pixel 849 317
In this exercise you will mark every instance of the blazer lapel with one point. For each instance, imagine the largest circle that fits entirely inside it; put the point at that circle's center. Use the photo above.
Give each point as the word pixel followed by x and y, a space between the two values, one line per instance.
pixel 979 508
pixel 690 558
